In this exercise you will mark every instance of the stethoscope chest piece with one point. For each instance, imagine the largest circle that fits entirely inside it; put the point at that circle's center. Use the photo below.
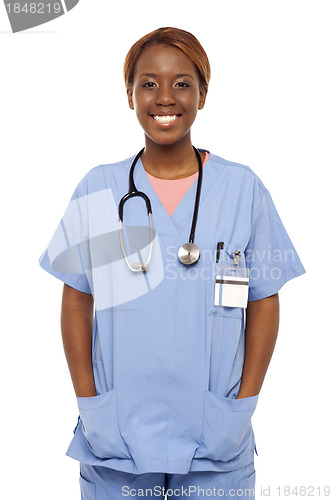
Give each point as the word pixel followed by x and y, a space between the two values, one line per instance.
pixel 188 253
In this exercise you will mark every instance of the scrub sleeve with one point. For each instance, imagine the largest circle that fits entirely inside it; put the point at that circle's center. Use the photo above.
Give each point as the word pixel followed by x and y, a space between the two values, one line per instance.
pixel 270 255
pixel 66 256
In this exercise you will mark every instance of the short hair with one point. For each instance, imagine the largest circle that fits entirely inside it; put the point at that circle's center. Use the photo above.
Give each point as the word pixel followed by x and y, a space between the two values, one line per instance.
pixel 174 37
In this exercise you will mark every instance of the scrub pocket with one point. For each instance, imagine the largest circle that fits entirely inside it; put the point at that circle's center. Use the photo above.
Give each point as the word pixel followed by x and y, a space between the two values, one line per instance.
pixel 100 425
pixel 225 348
pixel 226 426
pixel 88 490
pixel 230 312
pixel 246 488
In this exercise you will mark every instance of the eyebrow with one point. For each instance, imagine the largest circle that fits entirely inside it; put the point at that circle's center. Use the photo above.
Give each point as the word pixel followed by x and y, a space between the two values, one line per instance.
pixel 177 76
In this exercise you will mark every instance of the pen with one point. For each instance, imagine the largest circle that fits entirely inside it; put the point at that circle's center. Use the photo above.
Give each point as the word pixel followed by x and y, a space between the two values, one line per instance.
pixel 220 246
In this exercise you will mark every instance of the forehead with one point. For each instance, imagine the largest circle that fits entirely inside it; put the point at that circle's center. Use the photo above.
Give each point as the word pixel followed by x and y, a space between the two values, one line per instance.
pixel 164 60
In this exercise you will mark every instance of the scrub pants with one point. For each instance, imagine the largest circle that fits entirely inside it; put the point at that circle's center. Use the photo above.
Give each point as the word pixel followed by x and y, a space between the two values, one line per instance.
pixel 102 483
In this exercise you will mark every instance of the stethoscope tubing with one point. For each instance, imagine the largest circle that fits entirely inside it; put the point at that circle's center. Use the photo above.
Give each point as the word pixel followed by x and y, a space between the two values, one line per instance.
pixel 198 194
pixel 134 192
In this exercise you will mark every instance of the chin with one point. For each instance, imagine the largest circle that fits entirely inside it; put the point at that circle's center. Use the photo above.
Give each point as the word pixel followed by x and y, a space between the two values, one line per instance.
pixel 164 141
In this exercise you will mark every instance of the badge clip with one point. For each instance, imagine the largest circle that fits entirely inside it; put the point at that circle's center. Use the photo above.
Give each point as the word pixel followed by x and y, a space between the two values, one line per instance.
pixel 236 256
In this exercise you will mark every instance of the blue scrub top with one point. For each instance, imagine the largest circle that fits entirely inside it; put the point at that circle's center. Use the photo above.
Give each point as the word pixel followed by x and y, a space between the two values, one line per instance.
pixel 167 362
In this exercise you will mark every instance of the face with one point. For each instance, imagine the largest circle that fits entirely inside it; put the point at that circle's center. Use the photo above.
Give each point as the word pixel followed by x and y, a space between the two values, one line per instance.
pixel 166 94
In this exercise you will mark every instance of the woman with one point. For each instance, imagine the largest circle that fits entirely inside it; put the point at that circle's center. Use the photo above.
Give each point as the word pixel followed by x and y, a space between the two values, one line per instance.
pixel 168 372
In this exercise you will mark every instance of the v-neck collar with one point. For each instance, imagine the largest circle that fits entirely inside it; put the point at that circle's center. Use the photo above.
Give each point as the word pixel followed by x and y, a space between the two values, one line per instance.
pixel 181 218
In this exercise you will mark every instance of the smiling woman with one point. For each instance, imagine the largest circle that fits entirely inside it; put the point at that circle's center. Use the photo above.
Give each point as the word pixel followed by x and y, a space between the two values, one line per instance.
pixel 168 371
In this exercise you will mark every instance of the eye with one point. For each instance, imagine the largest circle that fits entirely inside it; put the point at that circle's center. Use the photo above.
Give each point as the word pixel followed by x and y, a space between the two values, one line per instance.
pixel 148 84
pixel 183 84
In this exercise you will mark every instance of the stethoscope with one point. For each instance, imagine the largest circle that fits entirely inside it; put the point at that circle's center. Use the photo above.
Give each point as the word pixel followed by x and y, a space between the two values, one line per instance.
pixel 189 252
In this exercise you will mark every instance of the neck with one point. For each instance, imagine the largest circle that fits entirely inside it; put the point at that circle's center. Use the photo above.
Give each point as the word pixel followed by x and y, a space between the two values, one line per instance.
pixel 174 161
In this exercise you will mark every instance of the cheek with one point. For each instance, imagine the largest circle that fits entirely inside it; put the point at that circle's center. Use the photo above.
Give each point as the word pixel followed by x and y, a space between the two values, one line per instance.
pixel 141 101
pixel 190 101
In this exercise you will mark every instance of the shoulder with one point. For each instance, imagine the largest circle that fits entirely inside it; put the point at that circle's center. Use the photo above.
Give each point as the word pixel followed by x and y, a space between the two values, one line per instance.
pixel 117 166
pixel 109 169
pixel 102 177
pixel 242 181
pixel 237 170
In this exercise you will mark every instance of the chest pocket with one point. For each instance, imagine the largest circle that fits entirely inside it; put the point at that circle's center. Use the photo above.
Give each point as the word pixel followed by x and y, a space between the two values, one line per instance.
pixel 228 312
pixel 225 259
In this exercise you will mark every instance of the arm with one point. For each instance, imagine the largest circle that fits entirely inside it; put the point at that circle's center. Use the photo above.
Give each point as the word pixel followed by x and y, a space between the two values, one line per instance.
pixel 77 328
pixel 262 323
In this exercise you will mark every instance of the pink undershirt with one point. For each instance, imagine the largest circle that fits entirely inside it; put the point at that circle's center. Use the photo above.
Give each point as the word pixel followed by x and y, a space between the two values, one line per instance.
pixel 171 191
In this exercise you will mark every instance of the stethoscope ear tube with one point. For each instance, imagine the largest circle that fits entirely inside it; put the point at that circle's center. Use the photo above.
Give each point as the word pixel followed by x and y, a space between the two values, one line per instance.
pixel 132 190
pixel 132 187
pixel 130 195
pixel 136 266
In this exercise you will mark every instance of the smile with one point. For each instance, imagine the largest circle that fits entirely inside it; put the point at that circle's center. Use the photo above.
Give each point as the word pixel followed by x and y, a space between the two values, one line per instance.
pixel 165 119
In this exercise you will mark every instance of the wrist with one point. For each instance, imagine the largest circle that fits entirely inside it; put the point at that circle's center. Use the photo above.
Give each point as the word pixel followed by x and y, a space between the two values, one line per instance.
pixel 86 394
pixel 246 394
pixel 85 388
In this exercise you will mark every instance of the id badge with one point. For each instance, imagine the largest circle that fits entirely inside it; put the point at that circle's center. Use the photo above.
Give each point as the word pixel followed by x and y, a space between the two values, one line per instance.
pixel 231 286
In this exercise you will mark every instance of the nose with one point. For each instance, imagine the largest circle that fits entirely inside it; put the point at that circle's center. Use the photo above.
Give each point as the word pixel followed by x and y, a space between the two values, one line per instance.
pixel 165 96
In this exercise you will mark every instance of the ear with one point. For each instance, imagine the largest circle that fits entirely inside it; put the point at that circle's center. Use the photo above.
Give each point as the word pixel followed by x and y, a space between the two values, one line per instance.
pixel 130 96
pixel 202 96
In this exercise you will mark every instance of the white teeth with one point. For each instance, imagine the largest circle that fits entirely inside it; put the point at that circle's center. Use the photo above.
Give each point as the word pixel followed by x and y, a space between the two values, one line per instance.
pixel 165 119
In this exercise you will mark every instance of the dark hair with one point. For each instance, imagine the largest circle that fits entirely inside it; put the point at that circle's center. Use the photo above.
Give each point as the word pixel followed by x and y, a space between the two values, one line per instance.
pixel 175 37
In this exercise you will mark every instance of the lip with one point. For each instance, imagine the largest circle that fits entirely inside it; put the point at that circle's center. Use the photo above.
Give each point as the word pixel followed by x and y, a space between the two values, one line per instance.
pixel 165 125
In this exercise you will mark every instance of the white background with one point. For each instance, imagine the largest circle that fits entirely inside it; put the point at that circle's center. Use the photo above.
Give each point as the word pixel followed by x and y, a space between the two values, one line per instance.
pixel 64 111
